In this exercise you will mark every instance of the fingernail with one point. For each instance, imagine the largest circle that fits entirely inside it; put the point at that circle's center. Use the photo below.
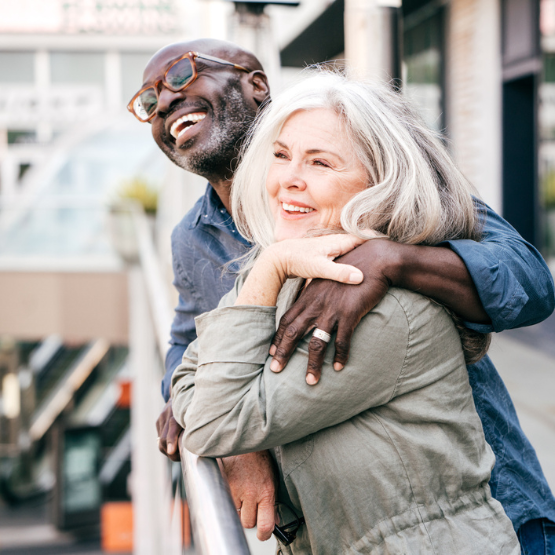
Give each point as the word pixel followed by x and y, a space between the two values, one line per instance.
pixel 338 366
pixel 274 366
pixel 355 277
pixel 311 379
pixel 273 350
pixel 170 447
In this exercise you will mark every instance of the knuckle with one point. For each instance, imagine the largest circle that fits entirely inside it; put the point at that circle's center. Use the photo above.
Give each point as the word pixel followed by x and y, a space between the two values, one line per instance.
pixel 291 331
pixel 317 346
pixel 281 353
pixel 286 319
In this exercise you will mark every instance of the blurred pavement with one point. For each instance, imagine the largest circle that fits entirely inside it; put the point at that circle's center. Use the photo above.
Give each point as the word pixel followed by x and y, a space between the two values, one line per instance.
pixel 526 361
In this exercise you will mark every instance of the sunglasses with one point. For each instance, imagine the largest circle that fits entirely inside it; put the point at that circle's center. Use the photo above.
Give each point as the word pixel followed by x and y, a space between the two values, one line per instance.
pixel 182 73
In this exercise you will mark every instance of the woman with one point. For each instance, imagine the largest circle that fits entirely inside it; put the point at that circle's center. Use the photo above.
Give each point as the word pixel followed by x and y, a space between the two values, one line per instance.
pixel 388 455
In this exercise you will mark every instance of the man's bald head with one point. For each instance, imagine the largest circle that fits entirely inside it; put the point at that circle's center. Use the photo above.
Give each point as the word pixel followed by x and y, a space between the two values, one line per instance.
pixel 200 127
pixel 214 47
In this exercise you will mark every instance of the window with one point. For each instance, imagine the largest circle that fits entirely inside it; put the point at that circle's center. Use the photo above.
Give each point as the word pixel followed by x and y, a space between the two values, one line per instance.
pixel 132 67
pixel 423 68
pixel 21 136
pixel 77 67
pixel 546 118
pixel 17 67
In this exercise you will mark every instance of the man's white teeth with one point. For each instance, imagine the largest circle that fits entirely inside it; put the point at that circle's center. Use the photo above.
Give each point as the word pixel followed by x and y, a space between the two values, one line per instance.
pixel 189 118
pixel 293 208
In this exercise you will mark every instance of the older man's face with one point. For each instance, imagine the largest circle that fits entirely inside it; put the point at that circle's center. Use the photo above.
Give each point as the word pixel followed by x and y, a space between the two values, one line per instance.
pixel 200 127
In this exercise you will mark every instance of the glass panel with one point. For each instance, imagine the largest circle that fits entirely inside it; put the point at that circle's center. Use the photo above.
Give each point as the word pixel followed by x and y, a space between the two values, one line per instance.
pixel 80 471
pixel 77 67
pixel 70 217
pixel 17 67
pixel 422 68
pixel 19 136
pixel 132 67
pixel 547 129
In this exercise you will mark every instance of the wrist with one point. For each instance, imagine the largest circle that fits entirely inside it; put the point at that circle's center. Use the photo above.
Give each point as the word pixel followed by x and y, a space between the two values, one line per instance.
pixel 264 281
pixel 272 259
pixel 405 266
pixel 393 260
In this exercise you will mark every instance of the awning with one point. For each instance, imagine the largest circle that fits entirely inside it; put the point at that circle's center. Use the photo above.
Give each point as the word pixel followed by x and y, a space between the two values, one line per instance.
pixel 322 40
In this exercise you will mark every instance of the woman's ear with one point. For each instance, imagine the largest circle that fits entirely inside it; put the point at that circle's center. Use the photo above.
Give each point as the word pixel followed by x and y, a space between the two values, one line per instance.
pixel 260 87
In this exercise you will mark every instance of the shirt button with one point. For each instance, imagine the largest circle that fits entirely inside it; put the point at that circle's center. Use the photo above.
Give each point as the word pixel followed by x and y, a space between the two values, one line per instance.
pixel 232 231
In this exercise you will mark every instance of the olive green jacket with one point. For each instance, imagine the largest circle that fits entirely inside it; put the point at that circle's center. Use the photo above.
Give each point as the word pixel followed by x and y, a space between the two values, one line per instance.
pixel 387 456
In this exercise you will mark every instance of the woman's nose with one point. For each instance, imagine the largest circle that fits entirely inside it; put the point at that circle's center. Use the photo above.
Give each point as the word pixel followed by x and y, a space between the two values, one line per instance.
pixel 293 177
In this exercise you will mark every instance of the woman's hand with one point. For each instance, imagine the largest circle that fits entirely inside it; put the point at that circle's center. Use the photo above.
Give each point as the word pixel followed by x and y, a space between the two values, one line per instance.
pixel 313 258
pixel 306 258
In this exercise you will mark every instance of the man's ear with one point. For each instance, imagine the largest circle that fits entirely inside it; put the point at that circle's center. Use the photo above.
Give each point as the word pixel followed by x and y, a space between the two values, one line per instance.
pixel 260 87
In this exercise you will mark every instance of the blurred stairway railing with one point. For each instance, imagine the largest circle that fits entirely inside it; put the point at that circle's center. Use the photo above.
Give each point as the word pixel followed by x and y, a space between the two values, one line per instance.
pixel 216 526
pixel 63 393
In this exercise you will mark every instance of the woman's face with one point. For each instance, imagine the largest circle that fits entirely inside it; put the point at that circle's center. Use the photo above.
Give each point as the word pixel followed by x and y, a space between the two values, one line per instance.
pixel 314 174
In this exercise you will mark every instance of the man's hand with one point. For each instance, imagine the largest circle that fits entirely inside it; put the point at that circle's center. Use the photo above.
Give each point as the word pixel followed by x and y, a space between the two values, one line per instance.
pixel 332 307
pixel 253 488
pixel 436 272
pixel 168 433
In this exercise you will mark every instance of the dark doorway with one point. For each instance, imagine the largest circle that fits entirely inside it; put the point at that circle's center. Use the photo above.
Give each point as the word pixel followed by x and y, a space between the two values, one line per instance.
pixel 520 156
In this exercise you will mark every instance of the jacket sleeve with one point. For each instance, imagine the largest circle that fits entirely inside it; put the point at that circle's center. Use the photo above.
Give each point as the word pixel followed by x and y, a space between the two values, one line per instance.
pixel 230 402
pixel 513 281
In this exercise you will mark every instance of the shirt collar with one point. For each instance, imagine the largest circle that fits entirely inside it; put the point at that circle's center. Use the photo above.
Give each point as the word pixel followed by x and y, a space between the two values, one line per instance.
pixel 211 212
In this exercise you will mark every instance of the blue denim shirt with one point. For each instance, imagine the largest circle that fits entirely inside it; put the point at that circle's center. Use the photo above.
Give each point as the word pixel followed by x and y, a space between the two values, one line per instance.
pixel 514 285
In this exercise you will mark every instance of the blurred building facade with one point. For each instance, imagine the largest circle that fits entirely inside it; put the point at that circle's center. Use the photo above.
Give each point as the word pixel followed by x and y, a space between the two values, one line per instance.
pixel 76 323
pixel 478 70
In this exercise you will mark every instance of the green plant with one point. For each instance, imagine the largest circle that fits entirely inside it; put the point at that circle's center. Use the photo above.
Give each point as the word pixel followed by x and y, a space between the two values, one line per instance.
pixel 140 190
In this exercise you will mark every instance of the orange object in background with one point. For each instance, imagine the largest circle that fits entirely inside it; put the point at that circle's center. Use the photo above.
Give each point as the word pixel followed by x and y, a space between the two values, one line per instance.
pixel 116 527
pixel 124 401
pixel 185 525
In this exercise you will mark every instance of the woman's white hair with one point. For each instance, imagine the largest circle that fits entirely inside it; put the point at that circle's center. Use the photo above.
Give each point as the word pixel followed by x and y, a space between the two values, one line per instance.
pixel 415 193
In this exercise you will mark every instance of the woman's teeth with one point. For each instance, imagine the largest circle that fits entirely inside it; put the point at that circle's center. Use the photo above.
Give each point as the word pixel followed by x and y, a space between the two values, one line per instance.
pixel 293 208
pixel 181 125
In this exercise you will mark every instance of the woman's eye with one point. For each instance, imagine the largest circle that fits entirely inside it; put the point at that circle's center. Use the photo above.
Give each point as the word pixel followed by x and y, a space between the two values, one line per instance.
pixel 321 163
pixel 280 155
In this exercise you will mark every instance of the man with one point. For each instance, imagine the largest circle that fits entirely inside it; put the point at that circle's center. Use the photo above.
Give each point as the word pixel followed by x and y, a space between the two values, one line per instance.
pixel 201 108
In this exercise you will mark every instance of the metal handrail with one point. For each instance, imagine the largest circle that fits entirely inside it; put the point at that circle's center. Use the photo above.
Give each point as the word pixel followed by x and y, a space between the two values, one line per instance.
pixel 217 529
pixel 216 526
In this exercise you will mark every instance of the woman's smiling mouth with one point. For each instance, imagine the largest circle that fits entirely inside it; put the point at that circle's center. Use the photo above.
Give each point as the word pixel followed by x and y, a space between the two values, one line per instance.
pixel 294 211
pixel 295 208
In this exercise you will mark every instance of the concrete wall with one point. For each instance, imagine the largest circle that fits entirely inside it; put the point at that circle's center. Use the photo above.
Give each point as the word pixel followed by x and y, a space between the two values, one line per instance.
pixel 77 306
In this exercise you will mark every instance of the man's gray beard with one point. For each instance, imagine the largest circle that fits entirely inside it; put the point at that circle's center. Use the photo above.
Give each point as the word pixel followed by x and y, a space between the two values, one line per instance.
pixel 232 119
